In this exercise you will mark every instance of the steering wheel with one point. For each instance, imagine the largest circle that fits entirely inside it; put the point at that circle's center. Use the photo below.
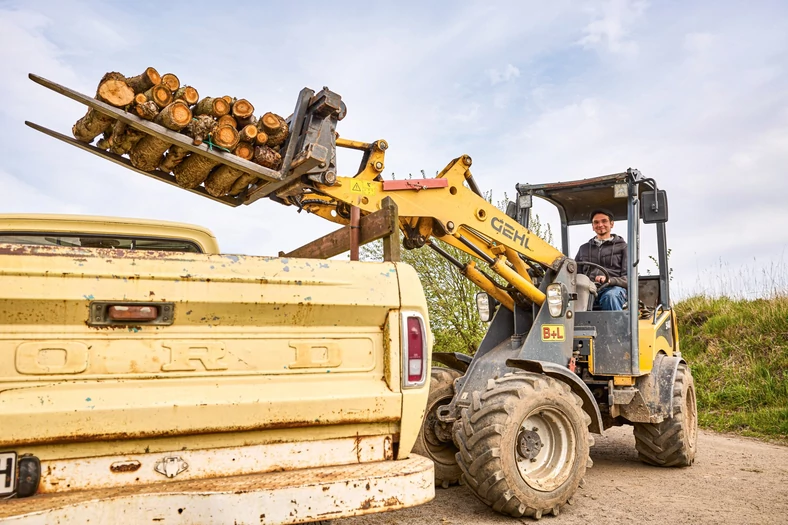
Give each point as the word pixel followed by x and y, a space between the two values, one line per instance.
pixel 600 268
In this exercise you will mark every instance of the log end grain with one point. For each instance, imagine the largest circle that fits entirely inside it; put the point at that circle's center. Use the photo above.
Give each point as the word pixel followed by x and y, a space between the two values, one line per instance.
pixel 171 81
pixel 115 92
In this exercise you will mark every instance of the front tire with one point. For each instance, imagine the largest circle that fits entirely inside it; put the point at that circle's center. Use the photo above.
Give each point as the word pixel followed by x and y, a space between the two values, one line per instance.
pixel 673 442
pixel 523 444
pixel 435 439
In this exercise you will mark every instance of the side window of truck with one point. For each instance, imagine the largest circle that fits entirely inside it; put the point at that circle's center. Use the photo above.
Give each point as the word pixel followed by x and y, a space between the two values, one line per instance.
pixel 100 241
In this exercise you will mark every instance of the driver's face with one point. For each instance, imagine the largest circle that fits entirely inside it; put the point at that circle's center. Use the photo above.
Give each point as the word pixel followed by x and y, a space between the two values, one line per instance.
pixel 602 225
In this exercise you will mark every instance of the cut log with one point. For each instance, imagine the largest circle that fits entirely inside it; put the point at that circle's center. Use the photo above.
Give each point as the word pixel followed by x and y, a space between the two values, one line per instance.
pixel 188 94
pixel 91 126
pixel 199 128
pixel 193 170
pixel 147 110
pixel 244 150
pixel 171 81
pixel 229 100
pixel 113 135
pixel 242 108
pixel 160 94
pixel 265 156
pixel 147 154
pixel 175 156
pixel 276 128
pixel 221 180
pixel 227 120
pixel 215 107
pixel 113 90
pixel 261 139
pixel 176 116
pixel 248 133
pixel 144 81
pixel 251 119
pixel 241 183
pixel 225 137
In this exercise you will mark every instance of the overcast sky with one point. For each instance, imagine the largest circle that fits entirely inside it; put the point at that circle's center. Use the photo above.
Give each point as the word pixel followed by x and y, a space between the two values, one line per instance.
pixel 694 94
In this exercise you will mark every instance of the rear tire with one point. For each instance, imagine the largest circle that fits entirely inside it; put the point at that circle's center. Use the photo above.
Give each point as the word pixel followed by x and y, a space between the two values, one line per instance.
pixel 673 442
pixel 523 444
pixel 435 440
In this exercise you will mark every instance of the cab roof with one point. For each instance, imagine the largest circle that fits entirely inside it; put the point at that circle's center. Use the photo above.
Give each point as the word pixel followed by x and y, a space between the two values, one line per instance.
pixel 99 225
pixel 577 199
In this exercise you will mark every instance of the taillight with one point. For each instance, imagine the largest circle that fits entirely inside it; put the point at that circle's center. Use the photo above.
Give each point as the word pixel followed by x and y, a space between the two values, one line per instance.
pixel 414 351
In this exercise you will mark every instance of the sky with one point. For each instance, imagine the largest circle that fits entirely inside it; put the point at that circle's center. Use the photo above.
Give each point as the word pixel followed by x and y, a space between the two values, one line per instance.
pixel 693 94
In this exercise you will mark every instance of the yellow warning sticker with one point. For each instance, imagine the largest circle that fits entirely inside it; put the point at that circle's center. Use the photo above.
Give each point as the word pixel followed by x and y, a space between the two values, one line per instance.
pixel 553 332
pixel 363 187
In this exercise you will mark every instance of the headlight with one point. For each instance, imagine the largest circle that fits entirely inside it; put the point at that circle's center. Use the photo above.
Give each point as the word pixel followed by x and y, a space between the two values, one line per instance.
pixel 556 299
pixel 485 305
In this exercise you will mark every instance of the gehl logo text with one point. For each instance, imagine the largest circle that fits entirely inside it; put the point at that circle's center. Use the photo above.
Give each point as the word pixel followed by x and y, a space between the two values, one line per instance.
pixel 510 232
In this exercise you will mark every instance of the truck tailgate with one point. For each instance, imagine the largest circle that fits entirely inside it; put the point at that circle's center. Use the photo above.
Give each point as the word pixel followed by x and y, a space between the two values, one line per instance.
pixel 254 343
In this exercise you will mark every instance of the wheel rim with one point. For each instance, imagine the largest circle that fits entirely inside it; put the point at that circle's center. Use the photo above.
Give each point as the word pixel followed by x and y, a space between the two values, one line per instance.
pixel 545 449
pixel 437 436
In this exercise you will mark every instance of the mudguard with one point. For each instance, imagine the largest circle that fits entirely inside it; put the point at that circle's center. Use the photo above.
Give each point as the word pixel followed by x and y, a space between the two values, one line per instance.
pixel 653 401
pixel 575 383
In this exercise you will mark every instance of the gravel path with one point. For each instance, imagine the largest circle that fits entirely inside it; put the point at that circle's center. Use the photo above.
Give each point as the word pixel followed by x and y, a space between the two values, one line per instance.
pixel 733 481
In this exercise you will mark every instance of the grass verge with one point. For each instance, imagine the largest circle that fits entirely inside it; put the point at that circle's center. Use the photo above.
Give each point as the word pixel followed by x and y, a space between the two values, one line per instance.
pixel 738 353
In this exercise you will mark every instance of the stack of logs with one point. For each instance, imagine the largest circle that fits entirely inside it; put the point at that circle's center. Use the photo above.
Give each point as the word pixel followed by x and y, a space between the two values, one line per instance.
pixel 223 122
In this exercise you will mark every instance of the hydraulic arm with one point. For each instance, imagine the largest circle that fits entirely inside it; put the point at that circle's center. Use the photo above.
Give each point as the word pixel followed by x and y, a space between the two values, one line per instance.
pixel 442 208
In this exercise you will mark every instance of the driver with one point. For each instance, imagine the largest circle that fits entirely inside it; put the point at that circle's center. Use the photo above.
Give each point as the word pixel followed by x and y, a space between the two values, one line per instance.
pixel 609 251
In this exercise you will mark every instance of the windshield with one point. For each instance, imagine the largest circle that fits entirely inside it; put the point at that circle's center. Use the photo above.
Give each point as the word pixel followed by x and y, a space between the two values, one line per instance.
pixel 100 241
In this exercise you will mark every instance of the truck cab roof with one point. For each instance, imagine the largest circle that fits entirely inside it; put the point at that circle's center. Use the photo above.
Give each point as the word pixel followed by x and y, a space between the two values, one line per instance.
pixel 105 232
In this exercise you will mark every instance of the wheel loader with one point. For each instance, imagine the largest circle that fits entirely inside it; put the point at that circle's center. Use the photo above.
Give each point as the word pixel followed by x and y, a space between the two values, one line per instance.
pixel 514 422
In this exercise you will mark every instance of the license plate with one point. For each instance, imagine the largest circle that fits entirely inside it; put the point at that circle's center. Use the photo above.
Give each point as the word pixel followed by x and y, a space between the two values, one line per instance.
pixel 7 473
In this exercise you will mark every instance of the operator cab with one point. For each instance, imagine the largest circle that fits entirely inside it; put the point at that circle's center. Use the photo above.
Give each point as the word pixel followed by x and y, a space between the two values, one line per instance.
pixel 631 197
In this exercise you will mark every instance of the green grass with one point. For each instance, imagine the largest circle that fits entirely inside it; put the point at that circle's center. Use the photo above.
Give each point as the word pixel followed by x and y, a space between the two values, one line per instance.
pixel 738 353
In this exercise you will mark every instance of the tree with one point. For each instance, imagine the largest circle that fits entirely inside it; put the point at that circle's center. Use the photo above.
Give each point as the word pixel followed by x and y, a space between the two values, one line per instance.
pixel 451 301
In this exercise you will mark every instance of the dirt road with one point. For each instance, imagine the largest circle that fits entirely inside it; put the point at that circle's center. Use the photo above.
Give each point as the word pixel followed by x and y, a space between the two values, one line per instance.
pixel 734 481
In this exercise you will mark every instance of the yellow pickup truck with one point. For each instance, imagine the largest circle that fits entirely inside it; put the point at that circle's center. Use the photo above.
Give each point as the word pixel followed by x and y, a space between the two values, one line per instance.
pixel 145 376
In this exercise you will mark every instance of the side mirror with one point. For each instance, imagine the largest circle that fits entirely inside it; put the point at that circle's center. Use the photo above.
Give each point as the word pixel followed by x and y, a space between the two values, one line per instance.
pixel 654 206
pixel 485 305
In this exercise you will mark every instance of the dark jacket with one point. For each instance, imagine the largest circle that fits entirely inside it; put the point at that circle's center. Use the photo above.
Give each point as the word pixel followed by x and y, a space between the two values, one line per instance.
pixel 612 255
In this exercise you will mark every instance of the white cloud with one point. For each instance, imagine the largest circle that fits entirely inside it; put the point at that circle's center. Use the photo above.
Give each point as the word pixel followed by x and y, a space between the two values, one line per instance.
pixel 610 30
pixel 508 73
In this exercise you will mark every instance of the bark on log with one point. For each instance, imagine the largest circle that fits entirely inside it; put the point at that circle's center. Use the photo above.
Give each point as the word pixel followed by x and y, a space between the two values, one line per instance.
pixel 227 120
pixel 144 81
pixel 215 107
pixel 126 142
pixel 112 135
pixel 276 128
pixel 147 154
pixel 188 94
pixel 176 116
pixel 261 139
pixel 251 119
pixel 242 183
pixel 160 94
pixel 175 156
pixel 221 180
pixel 91 126
pixel 248 133
pixel 244 150
pixel 225 137
pixel 147 110
pixel 199 128
pixel 171 81
pixel 242 108
pixel 193 170
pixel 265 156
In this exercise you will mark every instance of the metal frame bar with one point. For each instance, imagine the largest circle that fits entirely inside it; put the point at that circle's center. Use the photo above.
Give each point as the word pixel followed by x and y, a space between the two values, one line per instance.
pixel 126 163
